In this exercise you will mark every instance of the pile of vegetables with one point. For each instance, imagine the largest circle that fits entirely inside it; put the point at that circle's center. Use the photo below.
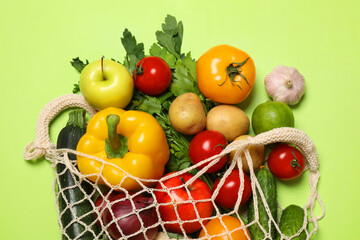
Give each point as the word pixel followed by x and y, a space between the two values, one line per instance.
pixel 160 113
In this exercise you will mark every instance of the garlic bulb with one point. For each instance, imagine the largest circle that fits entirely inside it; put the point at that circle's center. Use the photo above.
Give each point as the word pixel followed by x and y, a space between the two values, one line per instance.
pixel 285 84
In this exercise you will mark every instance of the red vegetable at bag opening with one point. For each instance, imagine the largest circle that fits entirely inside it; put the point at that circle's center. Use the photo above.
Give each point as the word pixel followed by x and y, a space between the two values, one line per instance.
pixel 286 162
pixel 206 144
pixel 152 75
pixel 197 190
pixel 114 215
pixel 230 191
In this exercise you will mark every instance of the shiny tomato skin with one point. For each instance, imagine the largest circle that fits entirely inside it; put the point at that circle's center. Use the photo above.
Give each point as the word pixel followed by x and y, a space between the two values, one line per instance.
pixel 213 80
pixel 207 144
pixel 280 162
pixel 178 196
pixel 152 75
pixel 228 193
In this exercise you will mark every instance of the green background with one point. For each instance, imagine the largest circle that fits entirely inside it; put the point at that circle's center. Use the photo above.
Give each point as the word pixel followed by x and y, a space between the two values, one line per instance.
pixel 320 38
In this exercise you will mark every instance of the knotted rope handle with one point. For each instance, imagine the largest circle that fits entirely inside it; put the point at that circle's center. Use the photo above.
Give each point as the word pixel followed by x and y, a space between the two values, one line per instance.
pixel 42 145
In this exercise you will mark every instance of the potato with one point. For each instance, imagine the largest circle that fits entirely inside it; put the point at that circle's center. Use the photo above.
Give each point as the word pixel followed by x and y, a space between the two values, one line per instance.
pixel 229 120
pixel 257 153
pixel 187 114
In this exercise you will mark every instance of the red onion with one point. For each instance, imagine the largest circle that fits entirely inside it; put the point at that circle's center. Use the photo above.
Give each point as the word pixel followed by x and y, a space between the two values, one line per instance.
pixel 101 203
pixel 121 209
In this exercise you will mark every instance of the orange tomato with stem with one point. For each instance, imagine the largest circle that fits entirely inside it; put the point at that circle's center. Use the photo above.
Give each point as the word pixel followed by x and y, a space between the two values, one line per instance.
pixel 230 229
pixel 225 74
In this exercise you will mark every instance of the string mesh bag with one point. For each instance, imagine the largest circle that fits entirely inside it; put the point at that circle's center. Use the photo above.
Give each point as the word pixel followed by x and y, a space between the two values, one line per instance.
pixel 111 207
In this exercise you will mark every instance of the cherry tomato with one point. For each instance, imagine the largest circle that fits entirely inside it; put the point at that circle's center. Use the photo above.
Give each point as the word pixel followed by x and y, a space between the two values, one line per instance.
pixel 229 191
pixel 225 74
pixel 230 224
pixel 207 144
pixel 152 75
pixel 286 162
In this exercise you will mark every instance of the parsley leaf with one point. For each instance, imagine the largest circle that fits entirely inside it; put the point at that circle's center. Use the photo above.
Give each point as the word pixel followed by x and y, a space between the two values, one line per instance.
pixel 79 66
pixel 134 50
pixel 185 79
pixel 161 52
pixel 171 36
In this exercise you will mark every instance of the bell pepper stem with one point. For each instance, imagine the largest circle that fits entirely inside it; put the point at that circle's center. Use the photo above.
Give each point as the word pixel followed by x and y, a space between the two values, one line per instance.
pixel 112 121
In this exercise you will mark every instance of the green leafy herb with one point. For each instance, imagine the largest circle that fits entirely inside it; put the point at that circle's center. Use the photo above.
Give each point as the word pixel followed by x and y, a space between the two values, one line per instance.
pixel 161 52
pixel 76 87
pixel 171 36
pixel 134 50
pixel 185 77
pixel 79 66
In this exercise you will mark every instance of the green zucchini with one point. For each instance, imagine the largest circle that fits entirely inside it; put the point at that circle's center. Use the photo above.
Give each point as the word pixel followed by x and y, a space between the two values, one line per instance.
pixel 291 221
pixel 69 137
pixel 268 186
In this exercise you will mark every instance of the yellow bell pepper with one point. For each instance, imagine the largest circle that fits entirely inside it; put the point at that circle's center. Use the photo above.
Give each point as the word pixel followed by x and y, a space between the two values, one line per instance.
pixel 134 143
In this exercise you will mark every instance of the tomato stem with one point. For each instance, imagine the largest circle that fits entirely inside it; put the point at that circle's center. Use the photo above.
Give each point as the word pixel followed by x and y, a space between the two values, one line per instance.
pixel 102 68
pixel 233 70
pixel 139 70
pixel 294 163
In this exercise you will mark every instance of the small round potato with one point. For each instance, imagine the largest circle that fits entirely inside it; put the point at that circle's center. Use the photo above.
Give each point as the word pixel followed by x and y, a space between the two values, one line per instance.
pixel 257 153
pixel 229 120
pixel 187 114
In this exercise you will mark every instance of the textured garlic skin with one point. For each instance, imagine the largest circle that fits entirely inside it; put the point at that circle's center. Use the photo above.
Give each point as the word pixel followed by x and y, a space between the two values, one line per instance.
pixel 285 84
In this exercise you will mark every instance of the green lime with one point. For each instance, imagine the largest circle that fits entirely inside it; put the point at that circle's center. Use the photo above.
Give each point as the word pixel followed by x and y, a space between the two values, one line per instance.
pixel 270 115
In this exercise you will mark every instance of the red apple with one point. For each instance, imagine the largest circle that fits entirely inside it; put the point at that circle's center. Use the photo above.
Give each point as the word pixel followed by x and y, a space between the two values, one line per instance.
pixel 176 193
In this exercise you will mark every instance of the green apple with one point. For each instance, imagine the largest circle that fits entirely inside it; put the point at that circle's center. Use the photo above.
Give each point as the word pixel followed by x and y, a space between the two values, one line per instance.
pixel 105 83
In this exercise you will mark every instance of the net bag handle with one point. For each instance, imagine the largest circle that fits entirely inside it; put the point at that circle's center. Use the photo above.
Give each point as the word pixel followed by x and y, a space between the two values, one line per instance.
pixel 42 145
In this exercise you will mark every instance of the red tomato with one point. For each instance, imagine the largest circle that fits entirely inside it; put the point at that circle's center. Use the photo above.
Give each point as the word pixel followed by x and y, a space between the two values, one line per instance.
pixel 152 75
pixel 229 191
pixel 178 199
pixel 286 162
pixel 207 144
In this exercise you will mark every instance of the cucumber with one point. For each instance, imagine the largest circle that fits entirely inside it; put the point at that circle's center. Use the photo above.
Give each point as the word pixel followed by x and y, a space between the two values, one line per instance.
pixel 268 186
pixel 291 221
pixel 69 137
